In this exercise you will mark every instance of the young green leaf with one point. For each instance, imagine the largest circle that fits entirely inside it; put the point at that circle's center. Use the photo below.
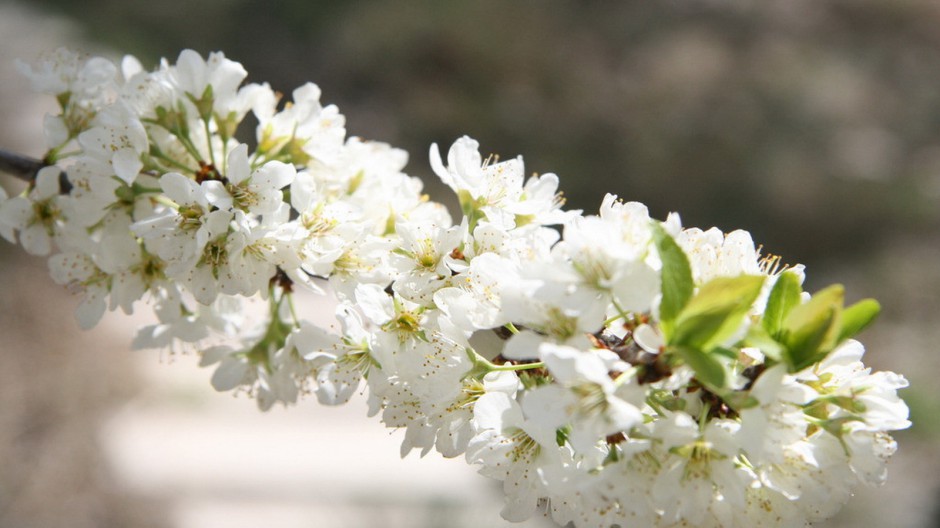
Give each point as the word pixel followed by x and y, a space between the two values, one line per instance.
pixel 758 337
pixel 811 330
pixel 808 344
pixel 716 311
pixel 739 400
pixel 677 284
pixel 727 353
pixel 708 368
pixel 784 296
pixel 471 208
pixel 857 317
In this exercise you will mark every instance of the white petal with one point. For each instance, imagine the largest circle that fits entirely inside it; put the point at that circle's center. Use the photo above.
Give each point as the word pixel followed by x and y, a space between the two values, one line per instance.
pixel 181 189
pixel 16 212
pixel 496 411
pixel 90 310
pixel 274 175
pixel 336 383
pixel 524 345
pixel 238 168
pixel 47 183
pixel 127 164
pixel 230 374
pixel 375 303
pixel 191 72
pixel 54 130
pixel 36 240
pixel 217 194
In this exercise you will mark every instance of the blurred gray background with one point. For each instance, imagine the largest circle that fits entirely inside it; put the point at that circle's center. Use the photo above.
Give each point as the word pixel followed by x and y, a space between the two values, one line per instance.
pixel 814 124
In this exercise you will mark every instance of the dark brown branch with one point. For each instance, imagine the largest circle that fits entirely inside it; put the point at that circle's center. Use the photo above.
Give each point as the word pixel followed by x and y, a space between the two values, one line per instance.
pixel 23 167
pixel 26 169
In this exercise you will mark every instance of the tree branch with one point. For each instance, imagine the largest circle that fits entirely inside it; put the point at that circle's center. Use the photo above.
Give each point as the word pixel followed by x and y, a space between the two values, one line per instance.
pixel 25 168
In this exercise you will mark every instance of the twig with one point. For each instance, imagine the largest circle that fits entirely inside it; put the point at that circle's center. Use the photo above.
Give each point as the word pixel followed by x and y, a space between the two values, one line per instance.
pixel 23 167
pixel 26 169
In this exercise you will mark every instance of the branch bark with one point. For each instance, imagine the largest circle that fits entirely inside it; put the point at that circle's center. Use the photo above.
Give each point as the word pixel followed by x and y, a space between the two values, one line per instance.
pixel 26 168
pixel 22 167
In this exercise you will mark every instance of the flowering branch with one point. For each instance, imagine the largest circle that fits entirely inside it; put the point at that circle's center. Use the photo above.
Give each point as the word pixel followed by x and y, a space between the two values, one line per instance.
pixel 620 371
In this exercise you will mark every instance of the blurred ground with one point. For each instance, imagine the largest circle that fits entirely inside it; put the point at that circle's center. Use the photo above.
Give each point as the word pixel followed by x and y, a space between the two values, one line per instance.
pixel 57 388
pixel 814 124
pixel 220 463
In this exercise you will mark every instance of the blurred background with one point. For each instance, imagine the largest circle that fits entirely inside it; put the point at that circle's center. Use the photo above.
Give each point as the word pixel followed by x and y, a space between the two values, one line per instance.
pixel 814 124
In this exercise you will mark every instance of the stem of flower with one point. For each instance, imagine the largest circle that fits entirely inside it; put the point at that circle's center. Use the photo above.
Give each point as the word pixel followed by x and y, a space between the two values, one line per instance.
pixel 205 122
pixel 620 310
pixel 63 155
pixel 610 320
pixel 523 366
pixel 172 162
pixel 480 362
pixel 160 199
pixel 290 304
pixel 625 376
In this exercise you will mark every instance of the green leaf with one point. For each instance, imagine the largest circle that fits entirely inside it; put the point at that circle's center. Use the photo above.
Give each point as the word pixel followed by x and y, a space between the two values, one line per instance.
pixel 758 337
pixel 716 311
pixel 204 103
pixel 811 330
pixel 857 317
pixel 561 436
pixel 727 353
pixel 227 125
pixel 677 284
pixel 63 99
pixel 849 403
pixel 708 368
pixel 837 426
pixel 807 344
pixel 471 208
pixel 739 400
pixel 784 296
pixel 355 182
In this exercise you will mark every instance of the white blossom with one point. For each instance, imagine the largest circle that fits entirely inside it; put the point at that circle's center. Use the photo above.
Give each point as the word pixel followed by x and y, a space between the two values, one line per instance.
pixel 595 370
pixel 254 191
pixel 37 215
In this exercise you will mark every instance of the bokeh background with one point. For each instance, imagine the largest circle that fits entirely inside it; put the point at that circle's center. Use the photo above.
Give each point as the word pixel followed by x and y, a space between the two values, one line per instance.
pixel 814 124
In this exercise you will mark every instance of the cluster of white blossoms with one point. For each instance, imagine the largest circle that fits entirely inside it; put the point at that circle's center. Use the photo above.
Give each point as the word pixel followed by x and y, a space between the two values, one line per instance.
pixel 609 369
